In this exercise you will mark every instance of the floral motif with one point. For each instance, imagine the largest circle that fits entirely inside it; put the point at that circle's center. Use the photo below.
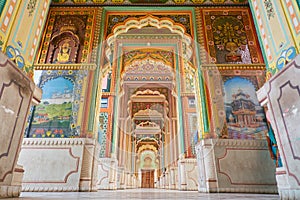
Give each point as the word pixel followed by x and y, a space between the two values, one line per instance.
pixel 269 8
pixel 31 6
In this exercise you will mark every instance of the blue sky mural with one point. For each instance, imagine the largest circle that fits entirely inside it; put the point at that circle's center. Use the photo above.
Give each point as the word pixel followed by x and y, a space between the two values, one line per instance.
pixel 56 86
pixel 53 116
pixel 233 85
pixel 245 118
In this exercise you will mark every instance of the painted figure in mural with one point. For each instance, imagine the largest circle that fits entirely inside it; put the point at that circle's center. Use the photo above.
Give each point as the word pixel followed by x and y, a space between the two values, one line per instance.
pixel 63 55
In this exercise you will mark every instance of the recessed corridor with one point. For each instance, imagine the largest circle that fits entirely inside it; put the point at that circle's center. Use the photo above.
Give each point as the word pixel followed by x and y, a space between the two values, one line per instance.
pixel 143 194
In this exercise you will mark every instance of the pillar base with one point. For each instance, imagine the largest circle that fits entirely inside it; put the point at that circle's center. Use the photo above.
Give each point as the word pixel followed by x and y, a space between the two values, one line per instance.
pixel 107 174
pixel 188 173
pixel 58 164
pixel 228 165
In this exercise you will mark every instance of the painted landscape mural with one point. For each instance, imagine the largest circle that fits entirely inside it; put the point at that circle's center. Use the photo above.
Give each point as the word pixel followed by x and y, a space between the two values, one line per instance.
pixel 52 117
pixel 244 116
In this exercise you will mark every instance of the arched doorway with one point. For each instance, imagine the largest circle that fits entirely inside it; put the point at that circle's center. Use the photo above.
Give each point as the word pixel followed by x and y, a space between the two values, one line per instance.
pixel 151 68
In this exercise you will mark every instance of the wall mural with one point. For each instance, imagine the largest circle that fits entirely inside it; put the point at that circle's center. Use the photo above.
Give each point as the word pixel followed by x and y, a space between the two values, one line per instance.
pixel 244 116
pixel 68 36
pixel 56 115
pixel 230 37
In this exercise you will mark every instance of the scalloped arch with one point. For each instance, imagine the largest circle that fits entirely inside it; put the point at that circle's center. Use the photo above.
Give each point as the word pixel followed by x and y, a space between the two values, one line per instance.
pixel 150 20
pixel 147 147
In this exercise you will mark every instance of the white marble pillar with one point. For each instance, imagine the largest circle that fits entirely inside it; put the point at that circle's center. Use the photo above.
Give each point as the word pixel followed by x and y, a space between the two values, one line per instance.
pixel 167 179
pixel 229 165
pixel 281 94
pixel 172 178
pixel 181 174
pixel 121 176
pixel 113 173
pixel 17 93
pixel 107 174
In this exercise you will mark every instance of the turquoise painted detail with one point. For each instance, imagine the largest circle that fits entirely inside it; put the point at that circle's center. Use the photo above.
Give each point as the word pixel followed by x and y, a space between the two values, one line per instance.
pixel 96 77
pixel 91 117
pixel 2 4
pixel 116 103
pixel 298 3
pixel 287 55
pixel 93 104
pixel 274 148
pixel 20 62
pixel 14 54
pixel 261 44
pixel 201 84
pixel 203 102
pixel 179 103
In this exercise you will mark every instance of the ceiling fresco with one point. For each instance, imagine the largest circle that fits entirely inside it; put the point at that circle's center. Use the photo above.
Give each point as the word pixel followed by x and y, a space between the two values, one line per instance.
pixel 150 2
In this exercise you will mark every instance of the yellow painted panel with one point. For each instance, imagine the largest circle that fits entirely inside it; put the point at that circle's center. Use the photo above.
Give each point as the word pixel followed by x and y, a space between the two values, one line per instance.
pixel 28 27
pixel 7 18
pixel 292 13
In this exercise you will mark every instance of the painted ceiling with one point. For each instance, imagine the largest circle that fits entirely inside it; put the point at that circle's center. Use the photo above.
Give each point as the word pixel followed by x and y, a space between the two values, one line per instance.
pixel 149 2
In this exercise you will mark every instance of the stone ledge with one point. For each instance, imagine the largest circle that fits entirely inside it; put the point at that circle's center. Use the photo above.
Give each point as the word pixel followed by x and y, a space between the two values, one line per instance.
pixel 245 190
pixel 236 143
pixel 53 141
pixel 49 189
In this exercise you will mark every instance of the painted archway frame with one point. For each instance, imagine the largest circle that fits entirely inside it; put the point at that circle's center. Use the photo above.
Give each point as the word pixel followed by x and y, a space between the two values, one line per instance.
pixel 107 52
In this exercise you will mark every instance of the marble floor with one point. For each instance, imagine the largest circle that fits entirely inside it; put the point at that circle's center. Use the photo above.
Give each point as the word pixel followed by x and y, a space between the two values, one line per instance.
pixel 132 194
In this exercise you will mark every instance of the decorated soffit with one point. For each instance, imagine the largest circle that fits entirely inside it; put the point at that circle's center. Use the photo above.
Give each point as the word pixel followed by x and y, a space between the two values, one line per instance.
pixel 148 113
pixel 149 2
pixel 145 147
pixel 153 54
pixel 141 96
pixel 147 125
pixel 141 57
